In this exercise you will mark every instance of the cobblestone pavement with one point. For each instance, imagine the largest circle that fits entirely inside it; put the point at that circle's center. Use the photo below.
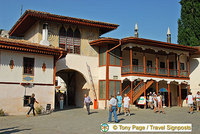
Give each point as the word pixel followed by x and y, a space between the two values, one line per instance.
pixel 76 121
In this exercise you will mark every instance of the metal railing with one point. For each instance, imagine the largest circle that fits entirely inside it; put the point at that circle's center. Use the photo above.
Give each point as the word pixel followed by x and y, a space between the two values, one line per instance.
pixel 184 73
pixel 173 72
pixel 138 68
pixel 126 69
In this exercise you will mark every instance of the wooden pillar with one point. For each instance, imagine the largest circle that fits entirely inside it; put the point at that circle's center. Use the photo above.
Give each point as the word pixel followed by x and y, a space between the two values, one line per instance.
pixel 107 78
pixel 144 63
pixel 157 87
pixel 179 65
pixel 167 65
pixel 169 97
pixel 180 100
pixel 188 89
pixel 131 59
pixel 145 93
pixel 188 66
pixel 131 93
pixel 156 64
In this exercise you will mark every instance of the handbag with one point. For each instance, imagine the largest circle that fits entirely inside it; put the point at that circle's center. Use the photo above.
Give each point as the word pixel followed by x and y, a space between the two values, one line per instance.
pixel 91 103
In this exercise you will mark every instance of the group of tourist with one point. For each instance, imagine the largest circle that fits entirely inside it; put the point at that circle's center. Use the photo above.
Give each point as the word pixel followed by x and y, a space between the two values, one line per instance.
pixel 193 101
pixel 115 105
pixel 155 102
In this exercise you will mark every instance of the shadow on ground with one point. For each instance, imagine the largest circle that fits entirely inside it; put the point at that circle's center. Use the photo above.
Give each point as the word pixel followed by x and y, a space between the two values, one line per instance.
pixel 11 130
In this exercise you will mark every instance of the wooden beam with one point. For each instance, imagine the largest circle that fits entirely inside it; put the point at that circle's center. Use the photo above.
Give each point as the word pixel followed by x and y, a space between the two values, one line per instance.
pixel 107 78
pixel 180 100
pixel 179 65
pixel 167 65
pixel 131 59
pixel 131 93
pixel 169 97
pixel 145 93
pixel 188 66
pixel 156 87
pixel 144 62
pixel 156 64
pixel 188 89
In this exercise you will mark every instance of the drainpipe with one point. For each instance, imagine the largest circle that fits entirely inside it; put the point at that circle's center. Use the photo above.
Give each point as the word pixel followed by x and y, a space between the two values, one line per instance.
pixel 107 72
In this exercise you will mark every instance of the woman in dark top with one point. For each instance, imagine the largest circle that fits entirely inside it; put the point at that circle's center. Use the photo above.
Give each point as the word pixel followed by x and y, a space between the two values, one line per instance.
pixel 32 100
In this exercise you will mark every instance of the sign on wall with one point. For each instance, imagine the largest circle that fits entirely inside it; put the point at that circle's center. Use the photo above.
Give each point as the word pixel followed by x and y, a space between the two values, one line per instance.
pixel 141 100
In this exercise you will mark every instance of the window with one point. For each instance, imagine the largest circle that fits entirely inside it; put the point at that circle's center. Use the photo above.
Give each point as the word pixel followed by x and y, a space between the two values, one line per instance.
pixel 70 41
pixel 102 89
pixel 182 67
pixel 114 87
pixel 162 64
pixel 135 62
pixel 171 65
pixel 29 66
pixel 149 63
pixel 115 56
pixel 62 38
pixel 26 101
pixel 102 56
pixel 77 41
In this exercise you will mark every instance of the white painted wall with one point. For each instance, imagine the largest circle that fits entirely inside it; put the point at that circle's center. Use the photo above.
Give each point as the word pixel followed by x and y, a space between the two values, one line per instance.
pixel 16 74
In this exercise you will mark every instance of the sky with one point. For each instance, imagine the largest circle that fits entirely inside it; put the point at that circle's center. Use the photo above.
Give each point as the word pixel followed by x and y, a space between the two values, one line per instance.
pixel 153 17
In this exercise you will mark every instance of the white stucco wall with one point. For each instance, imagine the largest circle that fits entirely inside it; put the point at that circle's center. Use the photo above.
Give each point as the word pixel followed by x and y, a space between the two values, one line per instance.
pixel 16 74
pixel 194 74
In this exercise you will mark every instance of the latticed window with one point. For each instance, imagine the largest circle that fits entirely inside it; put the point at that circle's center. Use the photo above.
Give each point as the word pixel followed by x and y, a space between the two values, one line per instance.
pixel 114 88
pixel 102 89
pixel 70 45
pixel 115 56
pixel 62 38
pixel 69 40
pixel 77 41
pixel 102 53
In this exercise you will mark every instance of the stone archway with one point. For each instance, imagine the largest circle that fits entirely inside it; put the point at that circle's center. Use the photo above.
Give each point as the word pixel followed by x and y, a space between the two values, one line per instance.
pixel 75 82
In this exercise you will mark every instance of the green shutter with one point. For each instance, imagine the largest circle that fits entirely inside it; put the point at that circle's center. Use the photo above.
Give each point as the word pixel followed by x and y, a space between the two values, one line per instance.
pixel 102 90
pixel 118 87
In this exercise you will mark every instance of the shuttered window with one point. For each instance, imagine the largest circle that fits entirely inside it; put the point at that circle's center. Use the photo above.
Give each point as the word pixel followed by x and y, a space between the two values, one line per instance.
pixel 114 88
pixel 102 52
pixel 102 89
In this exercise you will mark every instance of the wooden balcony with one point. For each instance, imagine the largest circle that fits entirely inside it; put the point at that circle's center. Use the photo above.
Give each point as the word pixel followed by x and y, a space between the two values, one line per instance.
pixel 139 69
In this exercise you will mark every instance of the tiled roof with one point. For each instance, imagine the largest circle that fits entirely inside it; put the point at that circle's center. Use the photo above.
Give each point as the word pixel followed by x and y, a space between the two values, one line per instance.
pixel 8 43
pixel 31 16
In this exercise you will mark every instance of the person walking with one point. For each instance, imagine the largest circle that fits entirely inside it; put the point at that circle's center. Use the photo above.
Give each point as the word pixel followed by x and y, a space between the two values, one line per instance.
pixel 189 101
pixel 159 98
pixel 155 102
pixel 126 105
pixel 119 100
pixel 197 100
pixel 112 109
pixel 151 100
pixel 61 101
pixel 32 100
pixel 87 101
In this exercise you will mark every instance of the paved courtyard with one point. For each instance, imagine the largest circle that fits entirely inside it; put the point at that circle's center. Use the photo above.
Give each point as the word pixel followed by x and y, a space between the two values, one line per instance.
pixel 76 121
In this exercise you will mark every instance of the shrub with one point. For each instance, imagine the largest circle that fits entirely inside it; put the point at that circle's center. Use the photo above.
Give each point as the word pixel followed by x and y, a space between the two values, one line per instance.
pixel 39 109
pixel 2 113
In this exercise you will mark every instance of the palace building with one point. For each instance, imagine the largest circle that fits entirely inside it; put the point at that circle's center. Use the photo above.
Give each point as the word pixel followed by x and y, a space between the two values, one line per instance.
pixel 47 52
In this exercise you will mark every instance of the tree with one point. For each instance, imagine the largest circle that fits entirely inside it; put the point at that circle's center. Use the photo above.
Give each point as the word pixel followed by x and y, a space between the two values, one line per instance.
pixel 189 23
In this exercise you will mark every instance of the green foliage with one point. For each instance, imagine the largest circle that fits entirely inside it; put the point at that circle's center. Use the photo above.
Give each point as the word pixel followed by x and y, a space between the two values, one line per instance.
pixel 39 109
pixel 189 23
pixel 2 113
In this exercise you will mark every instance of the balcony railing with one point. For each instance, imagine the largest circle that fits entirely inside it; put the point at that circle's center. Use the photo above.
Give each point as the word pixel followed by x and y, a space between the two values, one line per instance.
pixel 138 68
pixel 162 71
pixel 173 72
pixel 152 70
pixel 183 73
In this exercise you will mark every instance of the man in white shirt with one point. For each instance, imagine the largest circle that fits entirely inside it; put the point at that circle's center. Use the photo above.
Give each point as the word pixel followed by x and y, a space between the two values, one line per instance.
pixel 198 100
pixel 113 109
pixel 126 105
pixel 151 100
pixel 190 101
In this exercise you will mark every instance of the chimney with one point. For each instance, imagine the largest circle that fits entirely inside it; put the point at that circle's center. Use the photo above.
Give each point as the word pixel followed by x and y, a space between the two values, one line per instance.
pixel 136 31
pixel 44 40
pixel 168 36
